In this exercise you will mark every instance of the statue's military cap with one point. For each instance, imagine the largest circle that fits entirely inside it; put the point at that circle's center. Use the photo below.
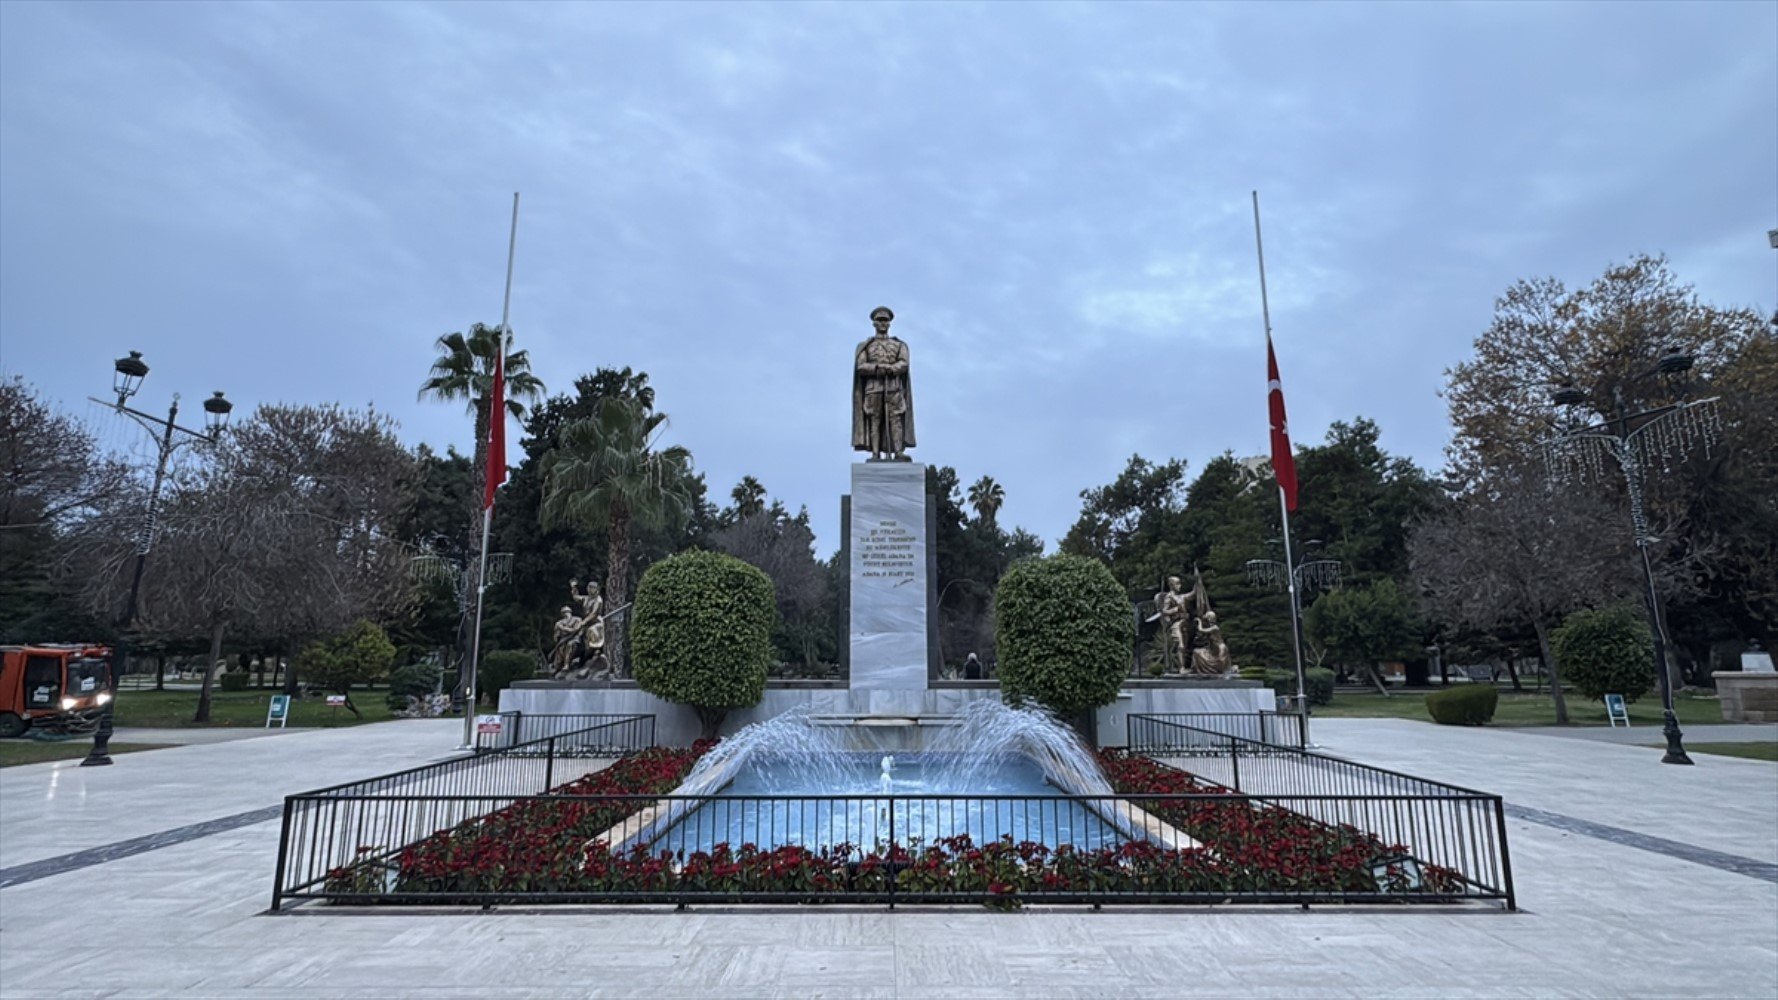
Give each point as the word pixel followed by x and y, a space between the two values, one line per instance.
pixel 883 311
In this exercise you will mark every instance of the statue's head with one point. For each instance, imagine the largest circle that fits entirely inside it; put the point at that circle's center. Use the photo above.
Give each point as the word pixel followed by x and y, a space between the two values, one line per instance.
pixel 567 612
pixel 881 317
pixel 1209 617
pixel 1174 583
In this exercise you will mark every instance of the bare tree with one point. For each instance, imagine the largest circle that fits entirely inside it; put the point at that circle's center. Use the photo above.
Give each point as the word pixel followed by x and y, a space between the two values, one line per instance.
pixel 1514 550
pixel 783 547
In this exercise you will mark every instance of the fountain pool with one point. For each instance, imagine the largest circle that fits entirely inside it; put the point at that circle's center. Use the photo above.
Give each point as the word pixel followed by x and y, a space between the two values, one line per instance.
pixel 1001 772
pixel 917 800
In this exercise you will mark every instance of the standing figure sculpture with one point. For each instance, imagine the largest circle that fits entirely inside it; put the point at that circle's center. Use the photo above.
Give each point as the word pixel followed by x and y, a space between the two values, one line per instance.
pixel 567 634
pixel 592 617
pixel 882 397
pixel 1173 607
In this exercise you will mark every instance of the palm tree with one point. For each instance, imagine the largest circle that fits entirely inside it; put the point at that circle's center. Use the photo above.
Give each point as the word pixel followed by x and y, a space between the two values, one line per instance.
pixel 464 369
pixel 749 496
pixel 986 496
pixel 607 472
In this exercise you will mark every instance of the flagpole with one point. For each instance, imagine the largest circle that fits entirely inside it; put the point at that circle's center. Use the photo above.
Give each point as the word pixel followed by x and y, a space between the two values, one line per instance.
pixel 1296 616
pixel 470 702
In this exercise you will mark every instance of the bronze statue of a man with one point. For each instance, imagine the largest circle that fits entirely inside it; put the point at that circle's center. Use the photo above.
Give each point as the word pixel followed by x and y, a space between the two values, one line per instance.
pixel 882 398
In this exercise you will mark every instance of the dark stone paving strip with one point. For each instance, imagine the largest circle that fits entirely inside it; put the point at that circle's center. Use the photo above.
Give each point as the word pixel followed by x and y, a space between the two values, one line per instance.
pixel 1659 845
pixel 61 864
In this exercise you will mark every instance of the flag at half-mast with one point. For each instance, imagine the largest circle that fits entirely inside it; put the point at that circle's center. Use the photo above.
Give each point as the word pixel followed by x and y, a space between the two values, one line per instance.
pixel 496 423
pixel 1283 462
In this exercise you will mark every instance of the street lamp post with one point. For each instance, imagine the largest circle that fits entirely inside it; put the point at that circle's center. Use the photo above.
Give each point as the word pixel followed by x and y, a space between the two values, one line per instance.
pixel 1636 441
pixel 1321 573
pixel 129 373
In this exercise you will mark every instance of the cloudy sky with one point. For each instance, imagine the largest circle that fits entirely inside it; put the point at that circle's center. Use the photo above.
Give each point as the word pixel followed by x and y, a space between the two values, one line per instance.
pixel 292 201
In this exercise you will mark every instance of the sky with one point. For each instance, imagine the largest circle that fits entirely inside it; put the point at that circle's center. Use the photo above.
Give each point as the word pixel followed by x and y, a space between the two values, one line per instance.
pixel 291 202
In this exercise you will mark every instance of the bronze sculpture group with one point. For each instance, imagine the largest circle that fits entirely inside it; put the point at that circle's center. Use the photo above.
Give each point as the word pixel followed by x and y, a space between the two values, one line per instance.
pixel 1191 641
pixel 579 652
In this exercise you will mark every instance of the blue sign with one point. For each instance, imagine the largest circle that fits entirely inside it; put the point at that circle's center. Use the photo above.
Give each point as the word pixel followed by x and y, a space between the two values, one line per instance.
pixel 279 710
pixel 1615 709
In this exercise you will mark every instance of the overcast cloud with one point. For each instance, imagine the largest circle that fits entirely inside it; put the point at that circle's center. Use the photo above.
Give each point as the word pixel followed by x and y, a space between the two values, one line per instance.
pixel 291 202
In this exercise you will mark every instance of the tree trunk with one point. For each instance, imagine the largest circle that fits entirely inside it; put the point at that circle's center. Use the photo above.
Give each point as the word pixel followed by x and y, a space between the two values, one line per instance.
pixel 351 707
pixel 209 674
pixel 160 671
pixel 1512 674
pixel 709 721
pixel 617 586
pixel 1550 666
pixel 1376 678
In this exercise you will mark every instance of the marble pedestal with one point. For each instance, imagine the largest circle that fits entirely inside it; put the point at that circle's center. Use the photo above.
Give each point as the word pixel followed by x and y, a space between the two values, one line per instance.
pixel 890 579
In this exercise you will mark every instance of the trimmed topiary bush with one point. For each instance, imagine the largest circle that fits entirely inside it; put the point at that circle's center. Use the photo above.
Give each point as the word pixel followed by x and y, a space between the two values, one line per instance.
pixel 1605 652
pixel 1466 705
pixel 1318 684
pixel 499 669
pixel 701 634
pixel 234 680
pixel 1063 630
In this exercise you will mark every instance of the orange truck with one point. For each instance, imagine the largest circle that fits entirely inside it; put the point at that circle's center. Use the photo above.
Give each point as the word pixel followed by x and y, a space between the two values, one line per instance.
pixel 54 686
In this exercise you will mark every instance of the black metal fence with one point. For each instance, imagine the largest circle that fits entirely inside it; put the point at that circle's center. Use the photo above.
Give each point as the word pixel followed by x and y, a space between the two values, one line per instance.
pixel 330 827
pixel 1243 821
pixel 1162 734
pixel 516 728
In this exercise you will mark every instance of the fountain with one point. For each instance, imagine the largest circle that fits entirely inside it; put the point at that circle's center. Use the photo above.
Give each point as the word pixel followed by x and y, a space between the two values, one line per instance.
pixel 997 772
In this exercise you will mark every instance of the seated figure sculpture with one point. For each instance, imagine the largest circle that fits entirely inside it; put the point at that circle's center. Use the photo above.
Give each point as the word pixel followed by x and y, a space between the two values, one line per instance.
pixel 1211 657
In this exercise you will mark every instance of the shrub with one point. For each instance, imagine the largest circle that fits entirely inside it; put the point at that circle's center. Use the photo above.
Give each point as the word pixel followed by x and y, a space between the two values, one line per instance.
pixel 414 680
pixel 1605 652
pixel 1318 684
pixel 235 680
pixel 500 668
pixel 359 655
pixel 1063 629
pixel 701 634
pixel 1466 705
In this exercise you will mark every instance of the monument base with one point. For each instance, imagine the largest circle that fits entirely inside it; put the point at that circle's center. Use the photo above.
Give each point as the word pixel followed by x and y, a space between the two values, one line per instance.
pixel 882 716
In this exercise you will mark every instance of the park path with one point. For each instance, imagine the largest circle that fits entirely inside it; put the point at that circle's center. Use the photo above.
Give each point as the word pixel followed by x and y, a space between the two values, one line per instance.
pixel 1599 918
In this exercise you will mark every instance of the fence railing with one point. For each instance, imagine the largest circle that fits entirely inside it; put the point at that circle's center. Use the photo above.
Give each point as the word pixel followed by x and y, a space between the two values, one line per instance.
pixel 518 728
pixel 1193 848
pixel 324 828
pixel 1163 733
pixel 1466 830
pixel 1254 822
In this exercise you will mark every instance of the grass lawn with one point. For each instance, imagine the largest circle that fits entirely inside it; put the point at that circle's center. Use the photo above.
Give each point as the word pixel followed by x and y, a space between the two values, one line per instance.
pixel 25 751
pixel 174 709
pixel 1763 750
pixel 1521 709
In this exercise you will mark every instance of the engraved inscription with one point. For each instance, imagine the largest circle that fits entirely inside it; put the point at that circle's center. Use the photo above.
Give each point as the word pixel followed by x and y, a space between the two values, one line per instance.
pixel 887 552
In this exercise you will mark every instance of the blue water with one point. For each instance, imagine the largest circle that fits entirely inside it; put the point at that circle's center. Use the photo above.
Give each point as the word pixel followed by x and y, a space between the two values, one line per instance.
pixel 850 804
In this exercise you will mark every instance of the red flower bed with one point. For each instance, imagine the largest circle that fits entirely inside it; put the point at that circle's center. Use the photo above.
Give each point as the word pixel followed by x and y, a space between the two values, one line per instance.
pixel 1267 847
pixel 550 846
pixel 529 846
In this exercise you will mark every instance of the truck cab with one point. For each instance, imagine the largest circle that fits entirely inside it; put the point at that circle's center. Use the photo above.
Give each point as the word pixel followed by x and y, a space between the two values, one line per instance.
pixel 55 686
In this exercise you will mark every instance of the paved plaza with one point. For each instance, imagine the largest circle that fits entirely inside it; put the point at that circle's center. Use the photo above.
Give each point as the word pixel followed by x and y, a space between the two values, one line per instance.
pixel 152 877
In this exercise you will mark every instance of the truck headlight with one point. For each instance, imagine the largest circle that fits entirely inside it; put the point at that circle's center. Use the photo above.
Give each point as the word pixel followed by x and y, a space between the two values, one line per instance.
pixel 104 696
pixel 68 704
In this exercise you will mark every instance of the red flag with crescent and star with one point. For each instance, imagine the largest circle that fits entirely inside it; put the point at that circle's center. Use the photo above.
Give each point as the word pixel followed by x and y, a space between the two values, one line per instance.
pixel 496 426
pixel 1283 462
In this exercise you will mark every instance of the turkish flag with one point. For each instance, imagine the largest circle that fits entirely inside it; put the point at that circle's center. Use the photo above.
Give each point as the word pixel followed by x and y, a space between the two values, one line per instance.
pixel 1283 462
pixel 496 425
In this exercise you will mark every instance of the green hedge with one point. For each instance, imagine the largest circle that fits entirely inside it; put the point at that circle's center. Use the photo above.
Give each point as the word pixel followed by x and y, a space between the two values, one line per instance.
pixel 702 633
pixel 498 670
pixel 1063 629
pixel 1605 652
pixel 1466 705
pixel 235 680
pixel 1318 684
